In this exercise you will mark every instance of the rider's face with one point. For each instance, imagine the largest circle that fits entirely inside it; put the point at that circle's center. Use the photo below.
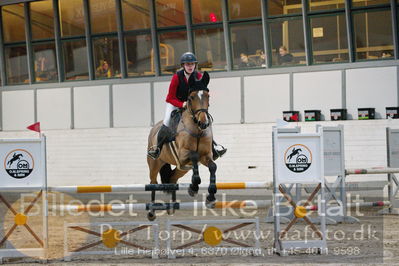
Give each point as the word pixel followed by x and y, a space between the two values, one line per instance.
pixel 189 67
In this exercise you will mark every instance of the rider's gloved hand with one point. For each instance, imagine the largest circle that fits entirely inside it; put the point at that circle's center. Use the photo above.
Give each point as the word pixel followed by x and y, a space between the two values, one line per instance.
pixel 184 104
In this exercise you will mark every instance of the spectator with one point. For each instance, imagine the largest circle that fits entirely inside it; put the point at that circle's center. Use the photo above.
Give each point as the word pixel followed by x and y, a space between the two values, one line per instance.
pixel 386 54
pixel 284 56
pixel 261 57
pixel 44 70
pixel 104 70
pixel 244 61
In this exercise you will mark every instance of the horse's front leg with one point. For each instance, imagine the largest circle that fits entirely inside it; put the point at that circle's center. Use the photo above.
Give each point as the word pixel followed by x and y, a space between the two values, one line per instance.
pixel 212 189
pixel 195 179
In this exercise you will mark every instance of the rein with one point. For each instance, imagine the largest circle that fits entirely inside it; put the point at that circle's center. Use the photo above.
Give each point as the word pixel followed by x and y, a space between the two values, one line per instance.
pixel 200 125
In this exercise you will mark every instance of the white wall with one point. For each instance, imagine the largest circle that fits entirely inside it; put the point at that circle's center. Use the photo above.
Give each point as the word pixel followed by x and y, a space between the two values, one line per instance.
pixel 225 100
pixel 118 155
pixel 91 107
pixel 263 97
pixel 18 109
pixel 131 105
pixel 160 91
pixel 54 108
pixel 371 87
pixel 266 97
pixel 318 91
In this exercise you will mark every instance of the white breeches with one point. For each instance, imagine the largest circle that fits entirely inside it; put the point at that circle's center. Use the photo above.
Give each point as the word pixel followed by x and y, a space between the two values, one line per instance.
pixel 169 109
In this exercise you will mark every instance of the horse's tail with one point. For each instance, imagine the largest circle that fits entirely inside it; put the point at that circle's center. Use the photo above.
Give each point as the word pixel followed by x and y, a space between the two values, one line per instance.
pixel 166 173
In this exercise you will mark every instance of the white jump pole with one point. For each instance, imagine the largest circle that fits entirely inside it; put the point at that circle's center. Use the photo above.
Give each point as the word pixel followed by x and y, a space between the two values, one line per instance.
pixel 159 187
pixel 246 204
pixel 364 171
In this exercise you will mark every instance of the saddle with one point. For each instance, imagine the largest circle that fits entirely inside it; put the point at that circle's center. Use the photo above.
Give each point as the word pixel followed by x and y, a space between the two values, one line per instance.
pixel 176 116
pixel 174 122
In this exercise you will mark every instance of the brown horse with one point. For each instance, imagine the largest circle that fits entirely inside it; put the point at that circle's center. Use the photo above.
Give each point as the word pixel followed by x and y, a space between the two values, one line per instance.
pixel 193 145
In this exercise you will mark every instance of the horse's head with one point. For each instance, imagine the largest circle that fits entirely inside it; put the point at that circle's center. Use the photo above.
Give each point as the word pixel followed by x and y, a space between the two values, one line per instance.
pixel 198 102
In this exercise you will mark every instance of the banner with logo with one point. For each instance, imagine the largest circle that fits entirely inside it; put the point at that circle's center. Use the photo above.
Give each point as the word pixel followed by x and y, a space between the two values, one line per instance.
pixel 23 162
pixel 298 158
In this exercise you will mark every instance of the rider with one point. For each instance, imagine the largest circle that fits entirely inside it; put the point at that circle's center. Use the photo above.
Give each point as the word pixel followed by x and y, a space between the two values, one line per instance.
pixel 177 98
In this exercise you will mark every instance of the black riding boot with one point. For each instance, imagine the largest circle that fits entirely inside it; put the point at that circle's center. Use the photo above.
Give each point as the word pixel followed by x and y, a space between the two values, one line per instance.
pixel 164 135
pixel 217 150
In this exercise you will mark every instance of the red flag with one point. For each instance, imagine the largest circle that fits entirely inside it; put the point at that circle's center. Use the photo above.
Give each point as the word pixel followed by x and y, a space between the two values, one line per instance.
pixel 34 127
pixel 295 117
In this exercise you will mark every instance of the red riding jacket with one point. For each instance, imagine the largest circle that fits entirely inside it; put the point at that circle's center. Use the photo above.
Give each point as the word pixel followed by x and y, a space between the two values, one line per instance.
pixel 172 97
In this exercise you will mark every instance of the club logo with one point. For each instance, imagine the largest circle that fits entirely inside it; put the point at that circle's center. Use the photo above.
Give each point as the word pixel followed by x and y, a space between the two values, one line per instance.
pixel 298 158
pixel 19 163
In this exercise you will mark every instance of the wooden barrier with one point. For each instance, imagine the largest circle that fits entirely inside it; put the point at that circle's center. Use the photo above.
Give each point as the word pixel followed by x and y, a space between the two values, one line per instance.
pixel 111 238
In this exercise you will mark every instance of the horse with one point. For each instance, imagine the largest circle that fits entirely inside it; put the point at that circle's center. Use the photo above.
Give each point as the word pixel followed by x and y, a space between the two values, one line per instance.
pixel 293 153
pixel 15 157
pixel 192 145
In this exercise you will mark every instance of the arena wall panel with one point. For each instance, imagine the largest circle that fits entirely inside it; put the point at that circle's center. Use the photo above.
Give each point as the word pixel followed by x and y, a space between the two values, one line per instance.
pixel 18 109
pixel 131 105
pixel 266 97
pixel 318 91
pixel 371 87
pixel 91 107
pixel 54 108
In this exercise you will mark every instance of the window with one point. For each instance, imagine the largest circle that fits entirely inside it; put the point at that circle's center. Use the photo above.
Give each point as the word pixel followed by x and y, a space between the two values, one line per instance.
pixel 373 40
pixel 208 34
pixel 102 16
pixel 75 60
pixel 74 48
pixel 45 64
pixel 42 20
pixel 210 49
pixel 138 55
pixel 138 42
pixel 247 45
pixel 13 23
pixel 287 42
pixel 106 57
pixel 136 14
pixel 278 8
pixel 358 3
pixel 15 54
pixel 316 5
pixel 43 44
pixel 329 39
pixel 243 9
pixel 170 13
pixel 16 65
pixel 171 46
pixel 72 19
pixel 206 11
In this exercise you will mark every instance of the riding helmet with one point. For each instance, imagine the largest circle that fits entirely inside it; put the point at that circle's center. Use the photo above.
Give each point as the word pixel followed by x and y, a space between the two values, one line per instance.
pixel 188 57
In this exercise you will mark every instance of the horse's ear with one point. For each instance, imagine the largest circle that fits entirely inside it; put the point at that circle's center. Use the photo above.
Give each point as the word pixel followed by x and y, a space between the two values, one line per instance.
pixel 205 79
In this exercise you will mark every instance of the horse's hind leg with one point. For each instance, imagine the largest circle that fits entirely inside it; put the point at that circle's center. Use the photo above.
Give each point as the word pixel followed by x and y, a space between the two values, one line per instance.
pixel 173 179
pixel 154 166
pixel 195 179
pixel 212 189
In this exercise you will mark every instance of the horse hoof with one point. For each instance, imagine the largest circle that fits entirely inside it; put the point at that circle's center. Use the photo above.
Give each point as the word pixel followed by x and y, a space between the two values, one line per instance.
pixel 210 202
pixel 196 179
pixel 191 192
pixel 151 216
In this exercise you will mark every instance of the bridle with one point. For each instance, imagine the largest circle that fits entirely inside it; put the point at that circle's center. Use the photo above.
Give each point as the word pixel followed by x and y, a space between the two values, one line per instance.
pixel 194 113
